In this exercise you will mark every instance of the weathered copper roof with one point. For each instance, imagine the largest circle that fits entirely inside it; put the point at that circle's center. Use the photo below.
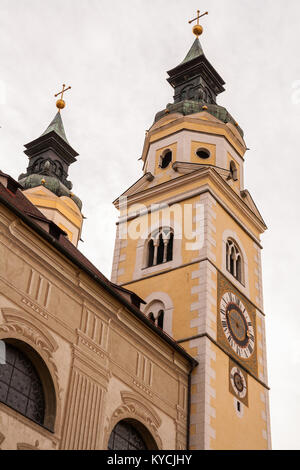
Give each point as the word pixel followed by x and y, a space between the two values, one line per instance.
pixel 57 126
pixel 195 51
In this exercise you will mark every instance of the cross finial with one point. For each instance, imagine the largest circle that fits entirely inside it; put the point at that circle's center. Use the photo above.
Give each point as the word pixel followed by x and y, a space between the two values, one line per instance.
pixel 60 104
pixel 197 29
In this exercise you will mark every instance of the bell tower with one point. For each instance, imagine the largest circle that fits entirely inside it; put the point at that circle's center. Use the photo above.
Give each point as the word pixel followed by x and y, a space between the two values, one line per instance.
pixel 46 181
pixel 188 243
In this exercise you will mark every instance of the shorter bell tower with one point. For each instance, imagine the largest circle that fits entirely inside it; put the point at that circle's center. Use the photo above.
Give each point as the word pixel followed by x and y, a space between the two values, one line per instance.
pixel 46 181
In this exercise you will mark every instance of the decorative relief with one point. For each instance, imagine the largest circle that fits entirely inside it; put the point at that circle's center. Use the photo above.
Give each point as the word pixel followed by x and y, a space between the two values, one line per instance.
pixel 94 328
pixel 142 387
pixel 35 308
pixel 144 369
pixel 38 288
pixel 180 439
pixel 181 415
pixel 93 334
pixel 17 321
pixel 182 396
pixel 24 446
pixel 83 420
pixel 135 407
pixel 144 374
pixel 90 345
pixel 17 325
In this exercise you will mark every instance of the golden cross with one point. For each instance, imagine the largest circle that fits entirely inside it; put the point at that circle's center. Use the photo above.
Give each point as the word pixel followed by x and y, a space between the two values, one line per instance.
pixel 60 104
pixel 62 92
pixel 198 16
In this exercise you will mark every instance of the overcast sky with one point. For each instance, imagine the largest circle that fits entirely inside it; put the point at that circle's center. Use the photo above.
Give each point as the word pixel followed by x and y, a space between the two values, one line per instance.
pixel 115 55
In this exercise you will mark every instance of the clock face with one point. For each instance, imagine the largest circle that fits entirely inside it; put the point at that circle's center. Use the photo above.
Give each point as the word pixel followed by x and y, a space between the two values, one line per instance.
pixel 237 325
pixel 238 382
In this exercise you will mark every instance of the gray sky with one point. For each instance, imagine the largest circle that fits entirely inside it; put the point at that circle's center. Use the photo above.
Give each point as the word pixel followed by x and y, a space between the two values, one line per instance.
pixel 115 55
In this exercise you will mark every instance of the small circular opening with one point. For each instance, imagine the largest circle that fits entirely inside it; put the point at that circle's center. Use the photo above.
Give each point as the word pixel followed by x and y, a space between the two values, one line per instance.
pixel 203 153
pixel 166 159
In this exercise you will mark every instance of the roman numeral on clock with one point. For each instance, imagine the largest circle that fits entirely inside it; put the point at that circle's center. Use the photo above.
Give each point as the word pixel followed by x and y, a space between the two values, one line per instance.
pixel 236 314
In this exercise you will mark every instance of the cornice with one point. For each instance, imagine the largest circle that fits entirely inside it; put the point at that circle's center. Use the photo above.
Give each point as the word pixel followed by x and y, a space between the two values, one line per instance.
pixel 202 335
pixel 166 187
pixel 233 140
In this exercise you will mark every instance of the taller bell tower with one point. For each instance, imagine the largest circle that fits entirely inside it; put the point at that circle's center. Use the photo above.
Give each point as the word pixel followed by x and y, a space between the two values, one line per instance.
pixel 188 243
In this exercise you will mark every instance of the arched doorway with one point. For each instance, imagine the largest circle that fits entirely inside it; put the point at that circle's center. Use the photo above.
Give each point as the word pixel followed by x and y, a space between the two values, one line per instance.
pixel 131 435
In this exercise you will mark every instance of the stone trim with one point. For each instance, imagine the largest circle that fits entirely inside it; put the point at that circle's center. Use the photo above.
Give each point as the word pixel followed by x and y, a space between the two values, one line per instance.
pixel 157 190
pixel 266 432
pixel 133 407
pixel 258 276
pixel 18 326
pixel 202 431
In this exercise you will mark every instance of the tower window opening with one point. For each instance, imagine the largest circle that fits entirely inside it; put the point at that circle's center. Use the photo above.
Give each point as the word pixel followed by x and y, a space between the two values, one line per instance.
pixel 150 253
pixel 160 251
pixel 170 247
pixel 151 317
pixel 234 262
pixel 238 406
pixel 203 153
pixel 157 319
pixel 233 171
pixel 160 319
pixel 165 159
pixel 160 247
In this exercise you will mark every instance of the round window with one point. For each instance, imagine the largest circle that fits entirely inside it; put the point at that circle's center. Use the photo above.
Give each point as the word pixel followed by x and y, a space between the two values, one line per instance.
pixel 203 153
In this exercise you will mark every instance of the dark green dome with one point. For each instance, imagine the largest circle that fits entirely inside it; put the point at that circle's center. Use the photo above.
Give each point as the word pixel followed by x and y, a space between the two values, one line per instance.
pixel 50 182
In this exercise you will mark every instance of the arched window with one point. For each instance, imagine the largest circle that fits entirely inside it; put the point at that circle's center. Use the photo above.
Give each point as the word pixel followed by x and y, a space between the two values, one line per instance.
pixel 165 158
pixel 160 247
pixel 155 311
pixel 125 436
pixel 26 384
pixel 20 384
pixel 234 261
pixel 157 319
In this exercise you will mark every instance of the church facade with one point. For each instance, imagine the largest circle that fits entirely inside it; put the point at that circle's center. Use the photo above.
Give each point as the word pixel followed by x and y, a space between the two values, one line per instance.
pixel 169 354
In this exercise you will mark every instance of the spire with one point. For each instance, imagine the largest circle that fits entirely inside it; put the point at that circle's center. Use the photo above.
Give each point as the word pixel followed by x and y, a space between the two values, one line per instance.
pixel 50 156
pixel 195 78
pixel 196 84
pixel 57 126
pixel 195 51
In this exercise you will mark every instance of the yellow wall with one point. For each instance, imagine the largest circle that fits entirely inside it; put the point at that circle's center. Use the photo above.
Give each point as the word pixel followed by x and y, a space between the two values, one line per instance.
pixel 233 432
pixel 224 210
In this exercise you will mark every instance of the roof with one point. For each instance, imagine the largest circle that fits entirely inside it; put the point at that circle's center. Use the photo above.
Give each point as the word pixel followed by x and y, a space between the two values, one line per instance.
pixel 13 198
pixel 57 126
pixel 195 51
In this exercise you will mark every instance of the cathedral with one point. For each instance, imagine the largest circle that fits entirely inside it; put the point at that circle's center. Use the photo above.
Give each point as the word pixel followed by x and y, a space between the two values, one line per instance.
pixel 170 354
